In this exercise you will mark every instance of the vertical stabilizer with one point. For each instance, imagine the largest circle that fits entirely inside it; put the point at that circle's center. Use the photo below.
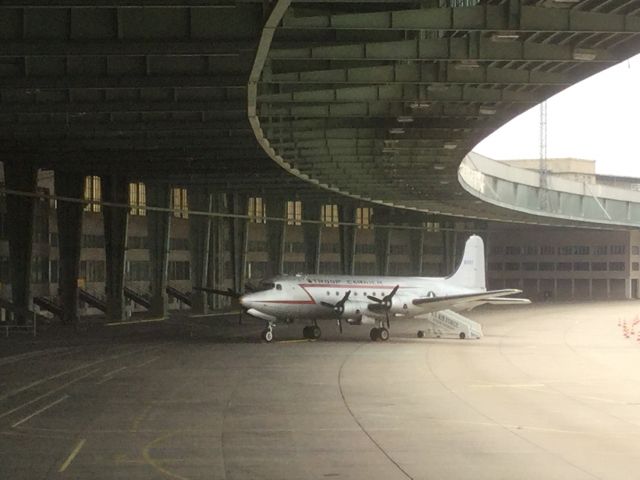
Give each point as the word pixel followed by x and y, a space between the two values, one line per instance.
pixel 470 273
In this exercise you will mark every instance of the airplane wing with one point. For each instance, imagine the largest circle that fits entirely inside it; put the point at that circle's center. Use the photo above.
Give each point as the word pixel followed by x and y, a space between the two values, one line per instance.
pixel 507 301
pixel 434 304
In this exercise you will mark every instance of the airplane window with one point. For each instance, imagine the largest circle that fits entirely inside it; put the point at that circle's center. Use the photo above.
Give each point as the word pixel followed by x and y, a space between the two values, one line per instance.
pixel 364 293
pixel 266 286
pixel 278 286
pixel 328 293
pixel 337 293
pixel 355 294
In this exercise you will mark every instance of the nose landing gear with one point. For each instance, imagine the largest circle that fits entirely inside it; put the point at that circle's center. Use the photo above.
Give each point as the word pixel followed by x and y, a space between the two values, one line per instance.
pixel 267 333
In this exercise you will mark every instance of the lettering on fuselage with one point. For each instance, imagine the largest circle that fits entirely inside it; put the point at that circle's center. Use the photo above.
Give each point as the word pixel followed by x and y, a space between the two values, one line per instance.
pixel 344 281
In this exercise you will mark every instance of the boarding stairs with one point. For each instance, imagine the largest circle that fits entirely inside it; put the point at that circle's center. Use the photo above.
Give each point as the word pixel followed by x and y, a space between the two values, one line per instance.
pixel 48 305
pixel 137 297
pixel 91 299
pixel 447 323
pixel 175 293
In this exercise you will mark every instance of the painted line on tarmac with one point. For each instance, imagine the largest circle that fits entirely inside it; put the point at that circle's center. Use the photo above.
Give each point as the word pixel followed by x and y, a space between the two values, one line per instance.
pixel 509 385
pixel 295 341
pixel 73 455
pixel 38 412
pixel 50 392
pixel 109 375
pixel 70 370
pixel 223 314
pixel 135 322
pixel 144 364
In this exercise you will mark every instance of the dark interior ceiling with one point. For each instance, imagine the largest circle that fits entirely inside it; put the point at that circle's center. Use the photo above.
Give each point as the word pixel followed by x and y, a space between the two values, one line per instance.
pixel 158 89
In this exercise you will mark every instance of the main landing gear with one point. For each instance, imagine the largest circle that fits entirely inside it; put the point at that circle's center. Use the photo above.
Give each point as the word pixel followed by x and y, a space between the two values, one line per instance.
pixel 312 332
pixel 379 334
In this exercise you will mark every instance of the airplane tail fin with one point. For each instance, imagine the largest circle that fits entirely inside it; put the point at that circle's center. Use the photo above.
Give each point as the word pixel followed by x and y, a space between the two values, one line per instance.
pixel 470 273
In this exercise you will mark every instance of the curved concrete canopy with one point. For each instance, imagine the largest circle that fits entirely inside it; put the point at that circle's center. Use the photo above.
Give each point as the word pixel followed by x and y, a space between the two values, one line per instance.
pixel 388 105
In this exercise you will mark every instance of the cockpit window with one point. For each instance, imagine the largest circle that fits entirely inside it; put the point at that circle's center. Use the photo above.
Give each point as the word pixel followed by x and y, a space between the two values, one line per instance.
pixel 278 286
pixel 267 286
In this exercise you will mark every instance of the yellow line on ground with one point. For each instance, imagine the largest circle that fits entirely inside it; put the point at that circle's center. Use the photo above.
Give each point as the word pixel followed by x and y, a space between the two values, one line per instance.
pixel 73 455
pixel 109 375
pixel 156 464
pixel 38 412
pixel 134 322
pixel 147 362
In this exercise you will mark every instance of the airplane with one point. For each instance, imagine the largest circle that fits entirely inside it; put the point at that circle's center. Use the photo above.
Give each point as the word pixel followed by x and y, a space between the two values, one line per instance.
pixel 370 300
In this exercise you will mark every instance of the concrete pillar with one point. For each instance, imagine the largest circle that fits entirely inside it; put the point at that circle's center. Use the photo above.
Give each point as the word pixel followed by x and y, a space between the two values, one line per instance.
pixel 69 216
pixel 416 242
pixel 312 232
pixel 158 233
pixel 216 252
pixel 276 234
pixel 115 189
pixel 239 239
pixel 347 213
pixel 200 200
pixel 20 176
pixel 382 239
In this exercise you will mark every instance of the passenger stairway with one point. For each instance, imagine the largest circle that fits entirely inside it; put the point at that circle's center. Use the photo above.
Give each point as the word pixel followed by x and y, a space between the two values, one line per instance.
pixel 175 293
pixel 138 298
pixel 49 305
pixel 90 299
pixel 448 322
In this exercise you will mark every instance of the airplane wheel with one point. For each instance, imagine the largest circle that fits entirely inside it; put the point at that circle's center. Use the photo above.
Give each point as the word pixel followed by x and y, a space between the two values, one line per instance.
pixel 420 333
pixel 267 335
pixel 315 332
pixel 383 334
pixel 306 333
pixel 373 334
pixel 462 336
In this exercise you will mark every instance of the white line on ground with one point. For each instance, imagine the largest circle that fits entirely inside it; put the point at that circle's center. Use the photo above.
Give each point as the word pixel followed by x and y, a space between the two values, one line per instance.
pixel 73 455
pixel 143 364
pixel 223 314
pixel 134 322
pixel 38 412
pixel 109 375
pixel 50 392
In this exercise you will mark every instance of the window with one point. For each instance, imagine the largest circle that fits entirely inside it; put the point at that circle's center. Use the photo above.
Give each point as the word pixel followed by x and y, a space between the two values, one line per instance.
pixel 92 193
pixel 566 250
pixel 546 266
pixel 432 226
pixel 495 267
pixel 179 270
pixel 137 198
pixel 497 250
pixel 599 266
pixel 547 250
pixel 617 249
pixel 294 213
pixel 330 248
pixel 581 266
pixel 511 266
pixel 564 267
pixel 580 250
pixel 179 203
pixel 600 250
pixel 330 215
pixel 137 271
pixel 179 243
pixel 635 250
pixel 635 266
pixel 257 210
pixel 93 270
pixel 257 246
pixel 92 241
pixel 365 248
pixel 137 243
pixel 513 250
pixel 433 250
pixel 531 250
pixel 616 266
pixel 39 269
pixel 293 247
pixel 398 249
pixel 278 286
pixel 363 217
pixel 530 266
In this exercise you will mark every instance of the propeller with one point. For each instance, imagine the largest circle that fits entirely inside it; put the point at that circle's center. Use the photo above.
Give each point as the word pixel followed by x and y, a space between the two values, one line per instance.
pixel 338 307
pixel 385 302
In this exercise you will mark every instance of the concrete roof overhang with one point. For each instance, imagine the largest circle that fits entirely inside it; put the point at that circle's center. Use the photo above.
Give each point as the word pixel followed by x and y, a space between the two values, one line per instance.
pixel 376 100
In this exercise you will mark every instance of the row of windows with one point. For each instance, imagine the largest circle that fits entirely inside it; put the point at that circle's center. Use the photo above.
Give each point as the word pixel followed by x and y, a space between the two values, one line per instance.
pixel 560 266
pixel 562 250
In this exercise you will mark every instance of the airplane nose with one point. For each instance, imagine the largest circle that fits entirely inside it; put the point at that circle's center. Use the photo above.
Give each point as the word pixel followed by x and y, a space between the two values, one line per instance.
pixel 245 301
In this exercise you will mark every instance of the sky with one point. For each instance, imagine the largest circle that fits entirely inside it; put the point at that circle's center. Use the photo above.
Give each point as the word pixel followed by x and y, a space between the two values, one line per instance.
pixel 596 119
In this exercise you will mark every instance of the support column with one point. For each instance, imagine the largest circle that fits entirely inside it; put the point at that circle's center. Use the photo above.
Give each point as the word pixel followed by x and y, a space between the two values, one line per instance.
pixel 416 246
pixel 69 216
pixel 276 234
pixel 347 213
pixel 382 239
pixel 115 189
pixel 200 200
pixel 21 176
pixel 216 252
pixel 239 238
pixel 312 232
pixel 158 234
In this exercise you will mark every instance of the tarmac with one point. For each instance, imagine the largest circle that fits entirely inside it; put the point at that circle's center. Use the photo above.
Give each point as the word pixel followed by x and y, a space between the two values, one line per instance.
pixel 550 392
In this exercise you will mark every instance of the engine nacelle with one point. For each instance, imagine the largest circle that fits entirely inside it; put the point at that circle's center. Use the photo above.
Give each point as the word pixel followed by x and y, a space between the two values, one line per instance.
pixel 352 313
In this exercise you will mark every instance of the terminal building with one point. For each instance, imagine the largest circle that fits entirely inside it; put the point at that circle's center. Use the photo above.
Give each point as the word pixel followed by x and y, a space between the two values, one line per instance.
pixel 546 262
